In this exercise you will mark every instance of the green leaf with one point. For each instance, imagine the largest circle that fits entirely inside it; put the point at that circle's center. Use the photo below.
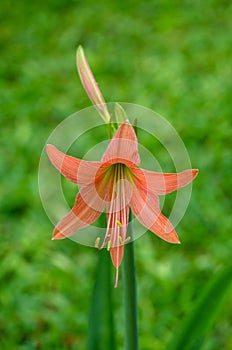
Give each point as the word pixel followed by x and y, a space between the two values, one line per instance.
pixel 101 327
pixel 197 325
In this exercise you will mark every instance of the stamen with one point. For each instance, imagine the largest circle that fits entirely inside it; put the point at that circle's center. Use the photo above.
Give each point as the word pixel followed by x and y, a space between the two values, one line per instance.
pixel 120 240
pixel 96 245
pixel 119 223
pixel 116 278
pixel 109 245
pixel 127 239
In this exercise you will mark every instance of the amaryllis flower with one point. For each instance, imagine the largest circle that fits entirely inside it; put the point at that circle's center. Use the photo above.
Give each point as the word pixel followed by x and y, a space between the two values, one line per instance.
pixel 115 185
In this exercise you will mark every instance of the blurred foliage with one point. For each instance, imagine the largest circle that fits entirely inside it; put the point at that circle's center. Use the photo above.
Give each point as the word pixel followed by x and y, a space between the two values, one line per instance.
pixel 174 57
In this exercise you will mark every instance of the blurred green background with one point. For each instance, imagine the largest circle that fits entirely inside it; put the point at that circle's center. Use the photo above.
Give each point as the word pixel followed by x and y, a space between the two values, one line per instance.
pixel 171 56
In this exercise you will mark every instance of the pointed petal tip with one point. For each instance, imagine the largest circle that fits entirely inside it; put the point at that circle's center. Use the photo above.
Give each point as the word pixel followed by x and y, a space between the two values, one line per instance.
pixel 174 240
pixel 170 236
pixel 79 48
pixel 50 148
pixel 195 172
pixel 57 235
pixel 80 53
pixel 123 147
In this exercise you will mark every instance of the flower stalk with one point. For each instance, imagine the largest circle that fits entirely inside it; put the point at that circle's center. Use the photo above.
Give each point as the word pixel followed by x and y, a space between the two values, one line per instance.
pixel 130 294
pixel 101 325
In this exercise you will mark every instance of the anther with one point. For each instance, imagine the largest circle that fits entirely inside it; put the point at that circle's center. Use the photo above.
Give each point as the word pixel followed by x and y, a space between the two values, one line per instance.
pixel 127 240
pixel 96 245
pixel 108 245
pixel 119 223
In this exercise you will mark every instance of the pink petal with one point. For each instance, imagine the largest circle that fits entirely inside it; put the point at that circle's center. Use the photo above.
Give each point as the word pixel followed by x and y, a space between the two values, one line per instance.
pixel 116 257
pixel 81 215
pixel 76 170
pixel 117 223
pixel 123 148
pixel 90 85
pixel 162 183
pixel 145 206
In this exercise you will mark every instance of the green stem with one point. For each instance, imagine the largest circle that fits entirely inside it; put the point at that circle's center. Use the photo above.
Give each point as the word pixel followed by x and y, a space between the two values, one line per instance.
pixel 130 295
pixel 110 130
pixel 101 327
